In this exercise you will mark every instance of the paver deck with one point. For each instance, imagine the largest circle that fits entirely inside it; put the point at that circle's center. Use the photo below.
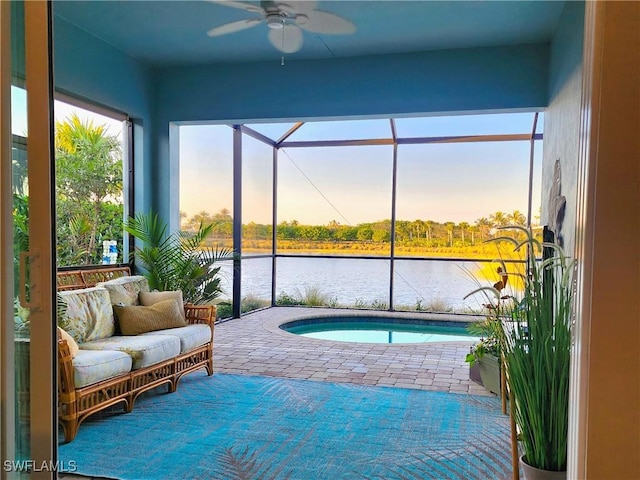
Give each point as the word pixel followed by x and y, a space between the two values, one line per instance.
pixel 255 345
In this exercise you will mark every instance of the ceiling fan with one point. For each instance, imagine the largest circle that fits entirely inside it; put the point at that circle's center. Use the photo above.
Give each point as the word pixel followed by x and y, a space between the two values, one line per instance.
pixel 285 20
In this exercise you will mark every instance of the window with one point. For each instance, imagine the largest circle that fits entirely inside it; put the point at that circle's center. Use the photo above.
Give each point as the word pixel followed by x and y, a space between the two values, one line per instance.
pixel 91 185
pixel 364 219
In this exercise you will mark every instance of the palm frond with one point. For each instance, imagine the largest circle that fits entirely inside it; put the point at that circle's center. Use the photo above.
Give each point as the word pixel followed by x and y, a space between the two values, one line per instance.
pixel 244 465
pixel 177 260
pixel 491 290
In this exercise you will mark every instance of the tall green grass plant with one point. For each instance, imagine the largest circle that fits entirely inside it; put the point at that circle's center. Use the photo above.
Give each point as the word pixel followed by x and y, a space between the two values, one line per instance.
pixel 537 353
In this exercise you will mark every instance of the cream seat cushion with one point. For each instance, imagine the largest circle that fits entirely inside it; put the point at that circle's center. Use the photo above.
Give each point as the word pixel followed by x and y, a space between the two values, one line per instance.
pixel 144 350
pixel 191 336
pixel 93 366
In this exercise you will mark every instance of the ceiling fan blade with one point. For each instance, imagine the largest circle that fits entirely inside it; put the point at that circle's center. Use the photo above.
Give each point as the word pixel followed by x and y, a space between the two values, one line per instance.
pixel 287 39
pixel 241 5
pixel 304 6
pixel 234 27
pixel 324 22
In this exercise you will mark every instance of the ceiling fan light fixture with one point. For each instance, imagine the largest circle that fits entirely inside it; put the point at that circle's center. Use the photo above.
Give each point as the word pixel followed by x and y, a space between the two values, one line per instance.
pixel 275 22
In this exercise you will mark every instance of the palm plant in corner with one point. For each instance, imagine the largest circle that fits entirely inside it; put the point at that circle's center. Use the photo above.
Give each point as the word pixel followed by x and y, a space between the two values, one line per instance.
pixel 178 260
pixel 537 353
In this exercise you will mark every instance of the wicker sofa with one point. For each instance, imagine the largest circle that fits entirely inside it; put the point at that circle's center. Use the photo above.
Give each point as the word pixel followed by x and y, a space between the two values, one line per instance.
pixel 106 368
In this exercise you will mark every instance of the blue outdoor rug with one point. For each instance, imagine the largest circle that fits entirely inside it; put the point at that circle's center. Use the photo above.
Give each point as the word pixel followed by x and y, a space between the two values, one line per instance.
pixel 240 427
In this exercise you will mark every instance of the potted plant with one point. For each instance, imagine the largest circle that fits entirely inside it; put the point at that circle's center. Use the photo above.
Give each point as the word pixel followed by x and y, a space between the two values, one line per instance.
pixel 536 346
pixel 486 353
pixel 178 260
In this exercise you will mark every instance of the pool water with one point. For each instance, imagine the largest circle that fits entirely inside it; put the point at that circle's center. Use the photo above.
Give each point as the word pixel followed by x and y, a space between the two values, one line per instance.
pixel 379 332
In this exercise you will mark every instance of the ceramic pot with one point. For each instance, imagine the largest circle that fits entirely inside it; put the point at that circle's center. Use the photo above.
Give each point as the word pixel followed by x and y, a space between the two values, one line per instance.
pixel 474 373
pixel 533 473
pixel 489 367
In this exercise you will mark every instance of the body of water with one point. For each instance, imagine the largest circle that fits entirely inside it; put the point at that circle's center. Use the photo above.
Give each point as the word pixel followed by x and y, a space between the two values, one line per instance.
pixel 363 282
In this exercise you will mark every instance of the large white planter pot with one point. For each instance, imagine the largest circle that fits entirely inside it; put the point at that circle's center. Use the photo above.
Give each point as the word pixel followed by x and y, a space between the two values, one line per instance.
pixel 533 473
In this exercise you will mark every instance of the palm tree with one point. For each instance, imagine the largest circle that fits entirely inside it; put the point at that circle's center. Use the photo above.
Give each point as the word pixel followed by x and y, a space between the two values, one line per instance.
pixel 517 218
pixel 178 260
pixel 484 225
pixel 420 227
pixel 449 226
pixel 473 229
pixel 429 228
pixel 463 227
pixel 499 219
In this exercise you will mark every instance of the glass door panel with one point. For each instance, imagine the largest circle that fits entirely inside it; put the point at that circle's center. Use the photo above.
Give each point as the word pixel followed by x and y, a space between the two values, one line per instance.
pixel 27 299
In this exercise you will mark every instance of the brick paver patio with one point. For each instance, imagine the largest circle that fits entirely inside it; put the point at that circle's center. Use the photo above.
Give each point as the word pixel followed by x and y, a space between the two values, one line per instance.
pixel 255 345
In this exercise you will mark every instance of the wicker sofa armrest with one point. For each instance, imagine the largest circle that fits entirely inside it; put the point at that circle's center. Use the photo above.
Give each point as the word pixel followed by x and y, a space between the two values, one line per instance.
pixel 195 314
pixel 65 367
pixel 67 406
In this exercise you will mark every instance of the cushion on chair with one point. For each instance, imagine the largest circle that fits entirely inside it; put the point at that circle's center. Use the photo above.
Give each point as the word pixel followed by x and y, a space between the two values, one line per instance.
pixel 93 366
pixel 151 298
pixel 138 319
pixel 145 350
pixel 89 315
pixel 191 336
pixel 125 290
pixel 71 343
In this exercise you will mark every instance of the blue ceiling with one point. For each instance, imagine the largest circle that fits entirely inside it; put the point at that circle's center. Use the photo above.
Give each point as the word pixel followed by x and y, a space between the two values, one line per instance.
pixel 164 33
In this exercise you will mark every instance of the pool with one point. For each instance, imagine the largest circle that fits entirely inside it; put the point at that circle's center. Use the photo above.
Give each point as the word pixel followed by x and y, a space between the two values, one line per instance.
pixel 379 330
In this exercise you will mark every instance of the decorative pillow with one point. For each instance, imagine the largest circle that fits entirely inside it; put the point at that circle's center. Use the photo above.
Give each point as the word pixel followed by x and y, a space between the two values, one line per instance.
pixel 71 343
pixel 125 290
pixel 89 315
pixel 151 298
pixel 137 319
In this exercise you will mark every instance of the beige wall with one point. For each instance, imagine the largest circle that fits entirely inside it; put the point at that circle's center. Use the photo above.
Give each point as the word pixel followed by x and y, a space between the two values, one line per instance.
pixel 608 246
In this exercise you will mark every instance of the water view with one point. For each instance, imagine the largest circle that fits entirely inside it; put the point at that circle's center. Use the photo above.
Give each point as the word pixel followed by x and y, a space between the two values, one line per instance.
pixel 436 285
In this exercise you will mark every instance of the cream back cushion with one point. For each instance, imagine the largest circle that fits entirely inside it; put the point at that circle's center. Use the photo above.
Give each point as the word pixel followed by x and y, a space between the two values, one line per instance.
pixel 88 315
pixel 125 290
pixel 151 298
pixel 137 319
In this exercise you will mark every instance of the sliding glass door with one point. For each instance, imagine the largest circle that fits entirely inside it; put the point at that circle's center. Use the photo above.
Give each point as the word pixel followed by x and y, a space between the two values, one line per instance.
pixel 27 300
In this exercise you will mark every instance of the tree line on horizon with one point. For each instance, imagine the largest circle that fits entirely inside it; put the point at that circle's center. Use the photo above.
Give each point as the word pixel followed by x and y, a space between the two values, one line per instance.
pixel 89 207
pixel 427 233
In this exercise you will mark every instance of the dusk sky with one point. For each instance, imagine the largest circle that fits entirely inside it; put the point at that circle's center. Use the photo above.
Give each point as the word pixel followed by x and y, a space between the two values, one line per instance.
pixel 444 182
pixel 61 111
pixel 351 185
